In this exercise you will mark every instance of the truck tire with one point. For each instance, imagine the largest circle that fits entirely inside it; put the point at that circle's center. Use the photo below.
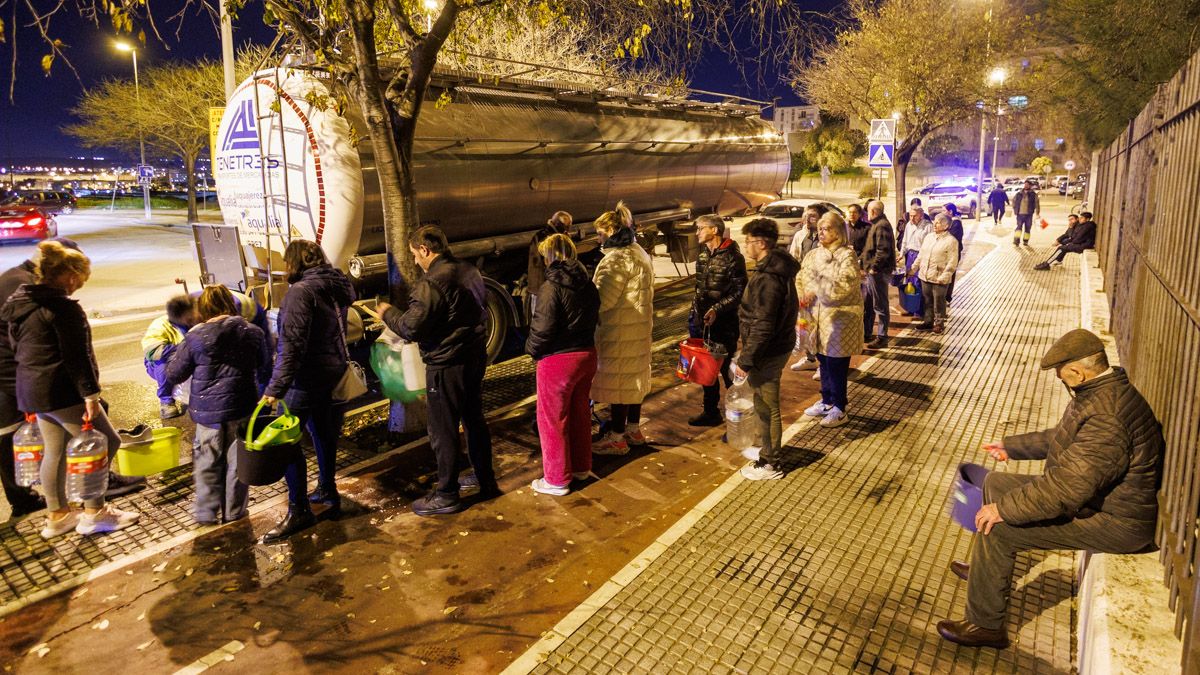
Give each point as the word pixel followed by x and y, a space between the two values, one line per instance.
pixel 499 322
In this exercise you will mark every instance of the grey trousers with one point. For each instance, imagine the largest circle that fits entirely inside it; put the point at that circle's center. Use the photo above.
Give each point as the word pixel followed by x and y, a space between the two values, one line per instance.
pixel 994 555
pixel 935 301
pixel 214 470
pixel 57 427
pixel 764 381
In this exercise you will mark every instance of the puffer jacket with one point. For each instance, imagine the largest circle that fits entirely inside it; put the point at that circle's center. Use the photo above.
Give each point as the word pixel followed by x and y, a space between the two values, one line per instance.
pixel 832 275
pixel 311 356
pixel 625 281
pixel 768 311
pixel 52 344
pixel 446 315
pixel 938 258
pixel 567 312
pixel 226 359
pixel 879 254
pixel 10 281
pixel 1081 237
pixel 720 282
pixel 1105 456
pixel 159 335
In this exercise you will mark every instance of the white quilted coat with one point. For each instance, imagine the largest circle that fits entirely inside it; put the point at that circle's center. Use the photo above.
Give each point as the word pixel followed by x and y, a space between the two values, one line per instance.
pixel 833 276
pixel 625 280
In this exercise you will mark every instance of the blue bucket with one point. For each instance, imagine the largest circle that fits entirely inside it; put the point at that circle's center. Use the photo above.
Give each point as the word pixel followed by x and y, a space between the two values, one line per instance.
pixel 966 494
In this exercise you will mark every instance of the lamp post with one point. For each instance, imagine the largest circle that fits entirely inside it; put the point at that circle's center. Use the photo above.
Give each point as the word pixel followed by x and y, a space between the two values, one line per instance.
pixel 137 95
pixel 995 79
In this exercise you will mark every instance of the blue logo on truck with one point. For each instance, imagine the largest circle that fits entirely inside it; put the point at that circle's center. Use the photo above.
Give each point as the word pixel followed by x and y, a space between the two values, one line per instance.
pixel 242 134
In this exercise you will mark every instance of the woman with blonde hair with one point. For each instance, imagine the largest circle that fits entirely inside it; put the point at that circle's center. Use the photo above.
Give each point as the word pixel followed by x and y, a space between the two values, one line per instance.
pixel 57 378
pixel 562 339
pixel 625 281
pixel 829 285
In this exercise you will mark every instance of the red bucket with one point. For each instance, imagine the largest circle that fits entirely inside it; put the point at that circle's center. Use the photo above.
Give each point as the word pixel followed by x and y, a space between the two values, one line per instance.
pixel 697 364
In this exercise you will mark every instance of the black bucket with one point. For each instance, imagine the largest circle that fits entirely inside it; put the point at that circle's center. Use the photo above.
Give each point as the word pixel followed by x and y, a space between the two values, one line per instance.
pixel 266 466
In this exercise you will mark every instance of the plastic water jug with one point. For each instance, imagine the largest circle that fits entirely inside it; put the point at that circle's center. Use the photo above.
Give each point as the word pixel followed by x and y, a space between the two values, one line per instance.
pixel 414 367
pixel 27 452
pixel 741 423
pixel 87 464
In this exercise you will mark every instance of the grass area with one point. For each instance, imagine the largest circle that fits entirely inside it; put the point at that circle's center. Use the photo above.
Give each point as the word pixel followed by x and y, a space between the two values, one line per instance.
pixel 130 203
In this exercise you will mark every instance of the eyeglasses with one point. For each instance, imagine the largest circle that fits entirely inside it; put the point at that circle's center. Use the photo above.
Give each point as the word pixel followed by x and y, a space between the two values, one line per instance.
pixel 756 240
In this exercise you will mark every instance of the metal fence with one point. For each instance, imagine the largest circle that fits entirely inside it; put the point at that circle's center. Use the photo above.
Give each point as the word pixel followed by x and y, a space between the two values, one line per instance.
pixel 1147 201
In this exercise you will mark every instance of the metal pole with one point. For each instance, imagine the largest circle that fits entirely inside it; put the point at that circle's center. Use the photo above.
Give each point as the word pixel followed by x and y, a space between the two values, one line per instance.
pixel 979 183
pixel 137 95
pixel 227 51
pixel 996 141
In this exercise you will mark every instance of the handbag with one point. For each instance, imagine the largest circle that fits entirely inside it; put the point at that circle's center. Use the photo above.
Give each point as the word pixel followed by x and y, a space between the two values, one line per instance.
pixel 353 382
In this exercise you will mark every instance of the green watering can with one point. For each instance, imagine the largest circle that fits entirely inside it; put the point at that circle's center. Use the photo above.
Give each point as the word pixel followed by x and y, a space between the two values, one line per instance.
pixel 283 430
pixel 272 443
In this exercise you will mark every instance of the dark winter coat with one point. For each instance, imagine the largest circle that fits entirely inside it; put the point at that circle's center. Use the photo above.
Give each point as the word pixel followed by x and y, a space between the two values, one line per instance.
pixel 226 359
pixel 956 231
pixel 311 356
pixel 1104 456
pixel 997 199
pixel 536 269
pixel 859 231
pixel 52 342
pixel 1081 237
pixel 720 282
pixel 567 312
pixel 9 282
pixel 447 313
pixel 879 254
pixel 768 311
pixel 1026 203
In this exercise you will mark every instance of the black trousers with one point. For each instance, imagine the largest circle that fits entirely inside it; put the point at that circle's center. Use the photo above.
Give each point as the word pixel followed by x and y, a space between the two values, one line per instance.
pixel 455 395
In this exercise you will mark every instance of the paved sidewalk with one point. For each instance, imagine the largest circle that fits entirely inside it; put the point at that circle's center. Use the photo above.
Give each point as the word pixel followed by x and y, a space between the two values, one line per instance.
pixel 841 566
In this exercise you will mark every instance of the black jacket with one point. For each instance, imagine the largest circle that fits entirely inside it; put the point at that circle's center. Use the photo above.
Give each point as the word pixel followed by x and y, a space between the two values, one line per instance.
pixel 447 313
pixel 568 309
pixel 768 311
pixel 859 231
pixel 879 253
pixel 9 282
pixel 997 199
pixel 311 356
pixel 1105 456
pixel 225 360
pixel 52 342
pixel 1081 237
pixel 720 282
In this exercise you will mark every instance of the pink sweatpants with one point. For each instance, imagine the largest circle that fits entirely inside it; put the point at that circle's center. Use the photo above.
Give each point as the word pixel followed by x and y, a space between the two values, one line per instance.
pixel 564 418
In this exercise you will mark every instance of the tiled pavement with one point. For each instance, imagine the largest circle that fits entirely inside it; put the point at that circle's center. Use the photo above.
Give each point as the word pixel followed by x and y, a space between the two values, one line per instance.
pixel 841 566
pixel 30 567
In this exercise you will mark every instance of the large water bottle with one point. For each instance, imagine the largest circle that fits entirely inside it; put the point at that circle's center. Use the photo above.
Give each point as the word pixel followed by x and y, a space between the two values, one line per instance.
pixel 87 464
pixel 27 452
pixel 741 423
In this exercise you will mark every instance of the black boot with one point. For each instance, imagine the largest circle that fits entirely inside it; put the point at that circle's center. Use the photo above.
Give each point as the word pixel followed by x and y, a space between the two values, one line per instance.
pixel 328 496
pixel 299 517
pixel 708 418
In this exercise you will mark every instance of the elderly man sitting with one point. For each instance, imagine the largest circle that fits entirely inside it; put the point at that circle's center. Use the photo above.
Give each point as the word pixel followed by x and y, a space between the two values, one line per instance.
pixel 1098 491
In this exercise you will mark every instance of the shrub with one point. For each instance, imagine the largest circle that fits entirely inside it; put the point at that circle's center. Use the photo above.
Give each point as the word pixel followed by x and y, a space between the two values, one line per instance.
pixel 867 191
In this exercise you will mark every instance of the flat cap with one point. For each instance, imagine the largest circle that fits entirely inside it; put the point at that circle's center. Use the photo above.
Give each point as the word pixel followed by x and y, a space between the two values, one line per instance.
pixel 1075 345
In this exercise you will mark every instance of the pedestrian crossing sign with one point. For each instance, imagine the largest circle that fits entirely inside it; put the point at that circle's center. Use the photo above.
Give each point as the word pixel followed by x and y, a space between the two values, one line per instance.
pixel 881 154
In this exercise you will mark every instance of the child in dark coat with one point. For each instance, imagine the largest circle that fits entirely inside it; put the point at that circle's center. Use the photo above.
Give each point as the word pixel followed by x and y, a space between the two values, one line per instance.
pixel 227 359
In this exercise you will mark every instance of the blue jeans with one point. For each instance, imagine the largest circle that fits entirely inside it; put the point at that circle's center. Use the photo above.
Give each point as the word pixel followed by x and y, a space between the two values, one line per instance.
pixel 324 425
pixel 877 292
pixel 834 372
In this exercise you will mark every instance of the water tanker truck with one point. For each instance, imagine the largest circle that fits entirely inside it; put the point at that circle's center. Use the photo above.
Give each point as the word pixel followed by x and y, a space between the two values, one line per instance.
pixel 491 165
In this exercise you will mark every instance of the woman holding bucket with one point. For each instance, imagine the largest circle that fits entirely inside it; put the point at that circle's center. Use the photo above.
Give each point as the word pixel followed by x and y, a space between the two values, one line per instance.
pixel 226 358
pixel 58 379
pixel 310 362
pixel 562 339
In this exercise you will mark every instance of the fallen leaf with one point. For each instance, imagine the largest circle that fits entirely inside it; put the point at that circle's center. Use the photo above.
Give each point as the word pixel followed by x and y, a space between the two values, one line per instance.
pixel 570 542
pixel 79 593
pixel 37 647
pixel 328 554
pixel 111 598
pixel 145 644
pixel 448 610
pixel 499 517
pixel 129 573
pixel 587 584
pixel 384 577
pixel 189 572
pixel 160 567
pixel 549 580
pixel 141 616
pixel 103 625
pixel 257 624
pixel 344 570
pixel 350 615
pixel 385 588
pixel 463 533
pixel 407 572
pixel 372 620
pixel 387 520
pixel 277 558
pixel 403 562
pixel 43 651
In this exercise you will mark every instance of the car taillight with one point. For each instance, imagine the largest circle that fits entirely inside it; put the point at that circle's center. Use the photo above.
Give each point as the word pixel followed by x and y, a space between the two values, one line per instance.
pixel 35 221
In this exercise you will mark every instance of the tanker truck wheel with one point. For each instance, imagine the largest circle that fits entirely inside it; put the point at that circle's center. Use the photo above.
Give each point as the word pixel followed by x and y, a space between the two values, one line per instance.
pixel 499 322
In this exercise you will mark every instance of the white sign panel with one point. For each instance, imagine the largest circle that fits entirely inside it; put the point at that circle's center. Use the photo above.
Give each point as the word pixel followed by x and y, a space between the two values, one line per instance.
pixel 1070 165
pixel 882 131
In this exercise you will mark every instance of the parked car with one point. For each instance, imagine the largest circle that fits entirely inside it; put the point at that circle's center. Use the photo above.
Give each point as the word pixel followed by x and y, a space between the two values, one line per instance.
pixel 1060 181
pixel 19 222
pixel 51 201
pixel 962 194
pixel 1039 182
pixel 1078 188
pixel 789 213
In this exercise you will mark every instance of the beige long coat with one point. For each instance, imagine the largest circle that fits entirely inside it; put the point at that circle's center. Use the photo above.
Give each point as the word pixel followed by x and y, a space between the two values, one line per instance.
pixel 833 276
pixel 625 280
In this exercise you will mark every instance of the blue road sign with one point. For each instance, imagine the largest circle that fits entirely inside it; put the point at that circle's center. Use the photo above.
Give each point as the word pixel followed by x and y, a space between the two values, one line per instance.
pixel 881 155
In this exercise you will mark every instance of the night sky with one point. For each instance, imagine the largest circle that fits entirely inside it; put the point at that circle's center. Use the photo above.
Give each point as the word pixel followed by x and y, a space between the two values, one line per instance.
pixel 30 127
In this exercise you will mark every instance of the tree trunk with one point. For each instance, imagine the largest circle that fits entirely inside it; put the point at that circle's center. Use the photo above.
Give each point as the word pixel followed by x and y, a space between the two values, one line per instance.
pixel 904 153
pixel 189 167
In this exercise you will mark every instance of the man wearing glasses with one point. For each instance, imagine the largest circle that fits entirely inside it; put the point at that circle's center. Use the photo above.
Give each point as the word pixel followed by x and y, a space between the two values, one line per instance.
pixel 720 280
pixel 767 319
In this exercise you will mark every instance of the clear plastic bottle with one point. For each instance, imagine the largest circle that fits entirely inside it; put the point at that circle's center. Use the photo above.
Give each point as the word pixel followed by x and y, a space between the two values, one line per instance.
pixel 87 465
pixel 27 452
pixel 741 424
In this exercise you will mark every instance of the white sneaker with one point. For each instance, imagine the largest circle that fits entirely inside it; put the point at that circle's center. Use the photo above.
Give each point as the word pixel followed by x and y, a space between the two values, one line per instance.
pixel 818 409
pixel 610 444
pixel 817 374
pixel 107 519
pixel 55 528
pixel 540 485
pixel 761 471
pixel 752 453
pixel 834 418
pixel 805 364
pixel 581 475
pixel 633 435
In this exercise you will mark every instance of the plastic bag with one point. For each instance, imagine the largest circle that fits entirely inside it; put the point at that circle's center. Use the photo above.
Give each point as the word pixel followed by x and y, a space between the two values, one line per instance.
pixel 387 360
pixel 1044 223
pixel 806 328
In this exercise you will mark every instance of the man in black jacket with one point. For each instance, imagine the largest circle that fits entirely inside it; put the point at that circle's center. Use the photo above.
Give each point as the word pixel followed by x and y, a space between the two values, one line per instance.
pixel 720 281
pixel 1099 490
pixel 1079 237
pixel 446 317
pixel 767 319
pixel 878 262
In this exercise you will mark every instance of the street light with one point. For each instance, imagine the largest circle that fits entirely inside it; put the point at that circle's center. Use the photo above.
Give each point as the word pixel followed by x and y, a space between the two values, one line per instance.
pixel 995 79
pixel 123 46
